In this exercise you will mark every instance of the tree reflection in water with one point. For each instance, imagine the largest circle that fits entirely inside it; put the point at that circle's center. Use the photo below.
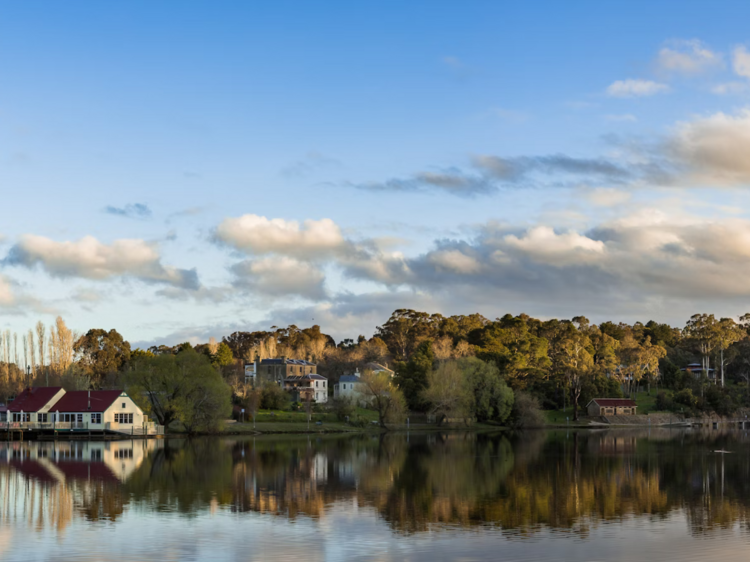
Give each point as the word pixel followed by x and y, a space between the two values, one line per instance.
pixel 518 483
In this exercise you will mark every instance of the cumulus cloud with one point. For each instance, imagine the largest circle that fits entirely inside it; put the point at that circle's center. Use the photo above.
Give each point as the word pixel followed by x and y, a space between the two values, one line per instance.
pixel 279 277
pixel 741 61
pixel 633 88
pixel 714 149
pixel 133 211
pixel 88 258
pixel 687 57
pixel 257 235
pixel 646 256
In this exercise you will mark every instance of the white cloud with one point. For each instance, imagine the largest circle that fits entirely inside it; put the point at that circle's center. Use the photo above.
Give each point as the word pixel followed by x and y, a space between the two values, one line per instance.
pixel 254 234
pixel 715 148
pixel 543 244
pixel 89 258
pixel 687 57
pixel 280 276
pixel 455 260
pixel 741 61
pixel 635 88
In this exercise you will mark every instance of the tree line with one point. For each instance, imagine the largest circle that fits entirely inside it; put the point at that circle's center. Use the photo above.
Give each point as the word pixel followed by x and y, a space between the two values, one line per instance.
pixel 447 366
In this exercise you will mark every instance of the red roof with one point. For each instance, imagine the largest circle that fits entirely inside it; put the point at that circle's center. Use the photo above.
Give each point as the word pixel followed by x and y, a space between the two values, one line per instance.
pixel 615 402
pixel 33 399
pixel 78 401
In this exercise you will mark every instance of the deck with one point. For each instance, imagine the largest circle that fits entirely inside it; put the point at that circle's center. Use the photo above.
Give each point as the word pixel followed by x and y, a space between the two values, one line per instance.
pixel 82 428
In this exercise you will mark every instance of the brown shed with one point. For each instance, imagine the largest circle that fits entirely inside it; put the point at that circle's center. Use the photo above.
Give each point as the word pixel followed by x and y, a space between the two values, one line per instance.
pixel 611 407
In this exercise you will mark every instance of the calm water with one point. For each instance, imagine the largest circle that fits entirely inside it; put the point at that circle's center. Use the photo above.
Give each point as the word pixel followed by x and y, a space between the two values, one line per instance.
pixel 613 495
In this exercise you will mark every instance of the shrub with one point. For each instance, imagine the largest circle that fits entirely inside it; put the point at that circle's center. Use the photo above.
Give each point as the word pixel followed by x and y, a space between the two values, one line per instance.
pixel 664 402
pixel 273 397
pixel 343 408
pixel 526 412
pixel 685 397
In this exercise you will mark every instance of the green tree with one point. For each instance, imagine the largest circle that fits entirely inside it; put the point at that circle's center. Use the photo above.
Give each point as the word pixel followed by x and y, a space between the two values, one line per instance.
pixel 448 392
pixel 492 398
pixel 411 377
pixel 223 356
pixel 102 352
pixel 183 387
pixel 383 395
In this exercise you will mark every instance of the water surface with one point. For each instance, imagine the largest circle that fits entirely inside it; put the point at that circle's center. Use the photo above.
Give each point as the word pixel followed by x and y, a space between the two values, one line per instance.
pixel 612 495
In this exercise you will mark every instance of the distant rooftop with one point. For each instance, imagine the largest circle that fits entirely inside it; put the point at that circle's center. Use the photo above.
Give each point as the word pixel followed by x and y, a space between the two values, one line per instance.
pixel 286 361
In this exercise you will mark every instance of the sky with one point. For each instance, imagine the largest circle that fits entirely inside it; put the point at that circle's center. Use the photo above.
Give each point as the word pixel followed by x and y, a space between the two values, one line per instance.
pixel 182 170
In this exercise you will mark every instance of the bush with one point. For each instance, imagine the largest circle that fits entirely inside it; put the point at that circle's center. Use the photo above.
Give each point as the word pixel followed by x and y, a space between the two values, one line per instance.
pixel 343 408
pixel 685 397
pixel 358 421
pixel 664 402
pixel 273 397
pixel 526 412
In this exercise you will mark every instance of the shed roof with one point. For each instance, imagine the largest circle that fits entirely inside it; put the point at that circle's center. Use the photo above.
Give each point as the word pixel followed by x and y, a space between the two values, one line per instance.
pixel 614 402
pixel 33 399
pixel 78 401
pixel 350 378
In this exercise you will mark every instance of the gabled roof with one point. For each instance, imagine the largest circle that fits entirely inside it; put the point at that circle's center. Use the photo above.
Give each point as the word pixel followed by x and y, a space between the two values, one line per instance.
pixel 307 377
pixel 78 401
pixel 614 402
pixel 33 399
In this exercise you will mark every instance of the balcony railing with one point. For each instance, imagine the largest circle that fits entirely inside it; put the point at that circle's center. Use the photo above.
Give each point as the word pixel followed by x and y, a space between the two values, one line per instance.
pixel 150 428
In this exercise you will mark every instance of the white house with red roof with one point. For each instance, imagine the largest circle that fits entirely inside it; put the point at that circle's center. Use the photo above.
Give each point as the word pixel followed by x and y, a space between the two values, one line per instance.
pixel 34 404
pixel 98 410
pixel 51 408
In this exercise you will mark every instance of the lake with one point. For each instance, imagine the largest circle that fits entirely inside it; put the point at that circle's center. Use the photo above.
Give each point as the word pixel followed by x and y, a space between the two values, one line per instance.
pixel 659 494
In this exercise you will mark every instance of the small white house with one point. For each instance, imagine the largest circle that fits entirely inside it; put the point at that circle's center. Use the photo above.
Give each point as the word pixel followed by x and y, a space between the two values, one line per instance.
pixel 352 388
pixel 98 410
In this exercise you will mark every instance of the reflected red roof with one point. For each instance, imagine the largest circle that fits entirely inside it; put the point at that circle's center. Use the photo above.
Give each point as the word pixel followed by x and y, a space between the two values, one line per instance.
pixel 33 469
pixel 33 399
pixel 78 401
pixel 74 470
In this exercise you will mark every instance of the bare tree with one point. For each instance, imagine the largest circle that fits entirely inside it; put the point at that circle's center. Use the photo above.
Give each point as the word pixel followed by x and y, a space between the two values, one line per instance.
pixel 213 345
pixel 32 354
pixel 40 333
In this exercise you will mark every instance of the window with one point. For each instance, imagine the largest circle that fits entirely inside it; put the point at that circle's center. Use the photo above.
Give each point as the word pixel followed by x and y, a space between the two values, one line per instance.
pixel 96 418
pixel 79 418
pixel 124 454
pixel 316 384
pixel 42 418
pixel 96 454
pixel 123 418
pixel 123 404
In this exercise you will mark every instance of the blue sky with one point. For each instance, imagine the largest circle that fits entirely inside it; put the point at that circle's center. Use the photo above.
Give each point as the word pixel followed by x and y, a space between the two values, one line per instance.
pixel 183 170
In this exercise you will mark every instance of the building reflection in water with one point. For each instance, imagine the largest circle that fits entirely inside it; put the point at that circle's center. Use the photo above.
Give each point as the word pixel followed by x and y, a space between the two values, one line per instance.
pixel 570 482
